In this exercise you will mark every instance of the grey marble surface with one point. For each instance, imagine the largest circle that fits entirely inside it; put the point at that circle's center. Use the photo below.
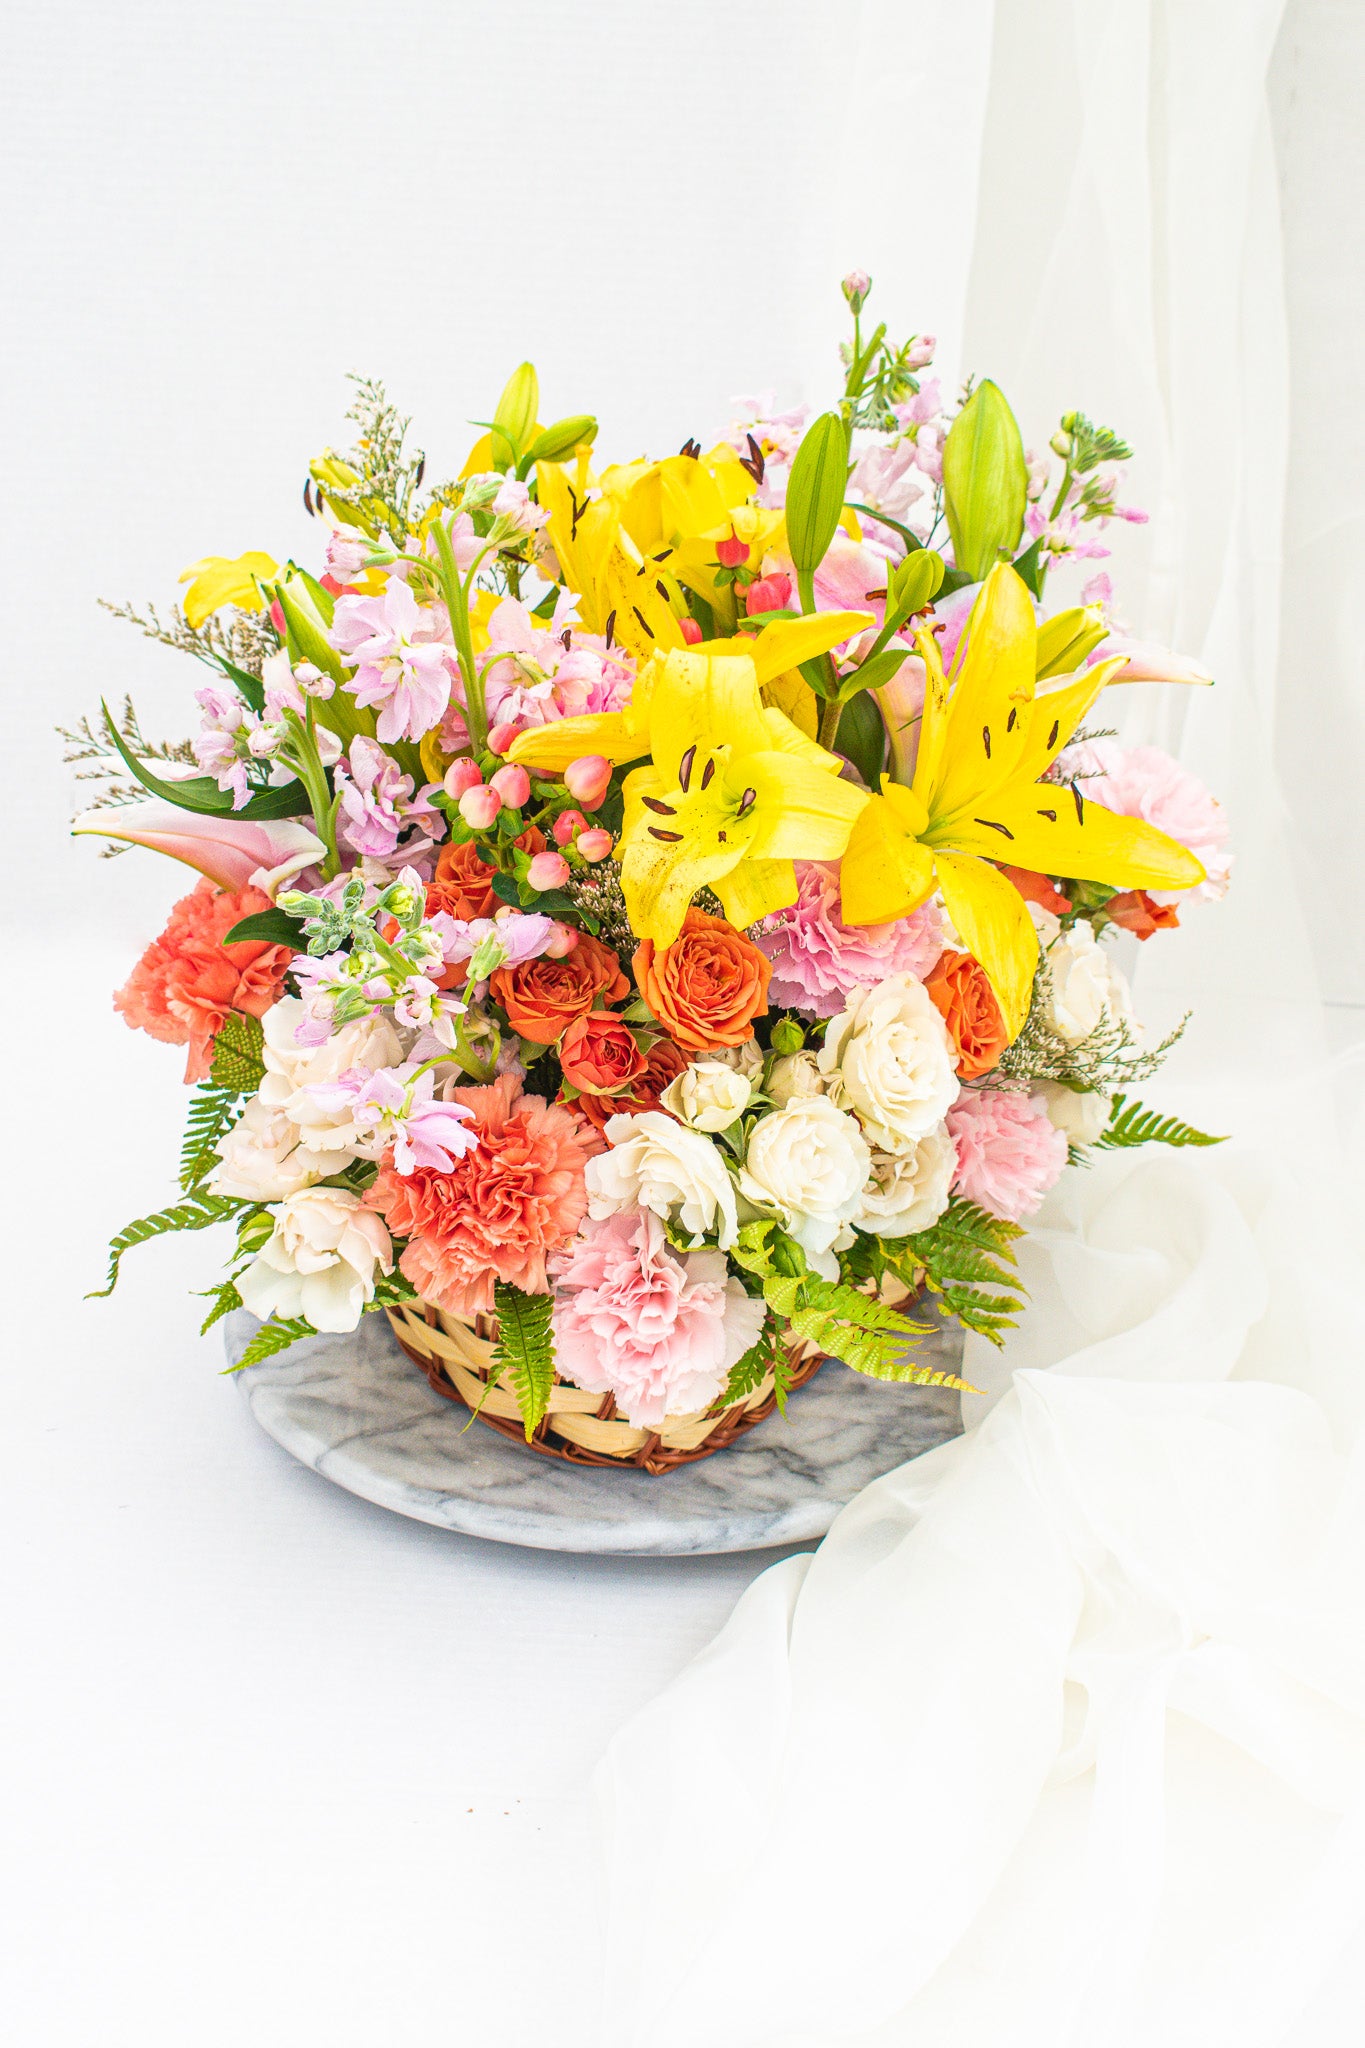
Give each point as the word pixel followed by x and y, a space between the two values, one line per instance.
pixel 355 1409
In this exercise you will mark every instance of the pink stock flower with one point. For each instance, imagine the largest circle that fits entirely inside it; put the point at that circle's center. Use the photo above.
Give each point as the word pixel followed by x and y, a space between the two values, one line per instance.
pixel 374 799
pixel 397 1105
pixel 818 960
pixel 656 1328
pixel 1149 783
pixel 533 676
pixel 886 479
pixel 1009 1152
pixel 515 504
pixel 233 852
pixel 347 553
pixel 403 664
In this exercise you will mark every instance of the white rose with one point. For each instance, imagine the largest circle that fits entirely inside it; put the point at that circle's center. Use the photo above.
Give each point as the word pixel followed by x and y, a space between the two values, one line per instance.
pixel 259 1160
pixel 809 1161
pixel 1081 1114
pixel 1087 989
pixel 707 1096
pixel 291 1070
pixel 907 1191
pixel 319 1260
pixel 888 1057
pixel 657 1164
pixel 746 1059
pixel 795 1076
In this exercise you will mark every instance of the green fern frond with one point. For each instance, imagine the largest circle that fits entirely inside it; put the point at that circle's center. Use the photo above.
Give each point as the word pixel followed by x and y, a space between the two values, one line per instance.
pixel 213 1112
pixel 765 1355
pixel 225 1298
pixel 237 1062
pixel 195 1214
pixel 272 1337
pixel 968 1261
pixel 1131 1124
pixel 525 1350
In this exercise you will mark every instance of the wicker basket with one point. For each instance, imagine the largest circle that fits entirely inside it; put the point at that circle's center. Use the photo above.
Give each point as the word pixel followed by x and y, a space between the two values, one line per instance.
pixel 582 1427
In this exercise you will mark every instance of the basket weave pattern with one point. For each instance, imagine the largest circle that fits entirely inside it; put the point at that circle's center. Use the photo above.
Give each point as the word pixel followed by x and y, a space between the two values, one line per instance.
pixel 582 1427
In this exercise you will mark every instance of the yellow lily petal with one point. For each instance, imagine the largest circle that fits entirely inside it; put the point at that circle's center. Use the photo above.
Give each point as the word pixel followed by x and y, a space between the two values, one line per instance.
pixel 703 700
pixel 788 738
pixel 933 724
pixel 886 871
pixel 216 581
pixel 992 693
pixel 548 749
pixel 793 696
pixel 993 923
pixel 755 889
pixel 1055 829
pixel 1066 638
pixel 804 812
pixel 789 642
pixel 1056 714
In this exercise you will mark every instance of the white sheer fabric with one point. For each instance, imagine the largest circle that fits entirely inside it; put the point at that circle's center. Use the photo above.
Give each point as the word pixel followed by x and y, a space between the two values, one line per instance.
pixel 1060 1737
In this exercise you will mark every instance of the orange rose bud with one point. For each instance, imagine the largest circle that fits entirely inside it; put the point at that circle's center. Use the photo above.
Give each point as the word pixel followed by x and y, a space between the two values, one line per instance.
pixel 664 1063
pixel 543 997
pixel 463 883
pixel 958 989
pixel 708 986
pixel 1137 912
pixel 600 1054
pixel 1037 889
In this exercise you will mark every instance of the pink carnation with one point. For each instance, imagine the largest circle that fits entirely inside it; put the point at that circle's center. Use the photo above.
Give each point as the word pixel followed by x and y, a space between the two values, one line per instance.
pixel 1009 1152
pixel 187 980
pixel 1147 782
pixel 818 960
pixel 656 1328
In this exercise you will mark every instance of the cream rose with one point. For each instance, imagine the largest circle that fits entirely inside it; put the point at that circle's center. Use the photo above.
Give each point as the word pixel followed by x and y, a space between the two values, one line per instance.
pixel 1082 1115
pixel 260 1159
pixel 292 1070
pixel 907 1191
pixel 657 1164
pixel 795 1076
pixel 746 1058
pixel 707 1096
pixel 319 1261
pixel 809 1161
pixel 888 1057
pixel 1087 989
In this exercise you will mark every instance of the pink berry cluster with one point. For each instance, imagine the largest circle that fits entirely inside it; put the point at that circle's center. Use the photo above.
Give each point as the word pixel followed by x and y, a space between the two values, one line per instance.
pixel 508 788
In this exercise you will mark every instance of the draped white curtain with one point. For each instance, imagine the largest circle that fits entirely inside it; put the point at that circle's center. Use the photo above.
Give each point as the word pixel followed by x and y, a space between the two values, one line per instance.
pixel 1060 1737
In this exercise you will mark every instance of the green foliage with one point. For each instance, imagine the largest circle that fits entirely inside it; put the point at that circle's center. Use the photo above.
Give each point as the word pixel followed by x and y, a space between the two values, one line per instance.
pixel 213 1112
pixel 861 737
pixel 224 1297
pixel 985 481
pixel 815 493
pixel 1131 1124
pixel 196 1213
pixel 272 1337
pixel 968 1260
pixel 237 1061
pixel 747 1375
pixel 525 1350
pixel 200 793
pixel 274 925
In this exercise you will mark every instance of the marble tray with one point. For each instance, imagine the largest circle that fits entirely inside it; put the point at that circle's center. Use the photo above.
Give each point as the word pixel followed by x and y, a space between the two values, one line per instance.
pixel 357 1411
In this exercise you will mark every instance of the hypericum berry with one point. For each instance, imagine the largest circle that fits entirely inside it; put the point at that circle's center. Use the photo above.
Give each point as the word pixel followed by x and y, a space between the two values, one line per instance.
pixel 690 630
pixel 566 824
pixel 500 737
pixel 588 779
pixel 548 870
pixel 460 776
pixel 479 807
pixel 513 785
pixel 769 594
pixel 561 941
pixel 732 553
pixel 594 844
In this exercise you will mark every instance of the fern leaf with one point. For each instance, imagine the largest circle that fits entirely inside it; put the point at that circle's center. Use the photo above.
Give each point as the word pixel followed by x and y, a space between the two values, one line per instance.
pixel 272 1337
pixel 213 1112
pixel 968 1261
pixel 765 1355
pixel 195 1214
pixel 225 1298
pixel 237 1062
pixel 525 1350
pixel 1131 1124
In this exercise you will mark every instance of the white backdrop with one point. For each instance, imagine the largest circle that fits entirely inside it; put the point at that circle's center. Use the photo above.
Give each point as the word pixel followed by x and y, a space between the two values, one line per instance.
pixel 282 1765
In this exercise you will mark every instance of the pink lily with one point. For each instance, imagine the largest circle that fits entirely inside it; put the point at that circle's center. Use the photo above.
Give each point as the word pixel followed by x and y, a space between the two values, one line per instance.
pixel 1148 663
pixel 230 851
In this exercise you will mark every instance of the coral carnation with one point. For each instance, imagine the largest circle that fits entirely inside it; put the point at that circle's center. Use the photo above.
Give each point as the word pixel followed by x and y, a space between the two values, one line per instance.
pixel 818 960
pixel 708 986
pixel 463 883
pixel 543 997
pixel 187 980
pixel 962 995
pixel 1009 1152
pixel 502 1208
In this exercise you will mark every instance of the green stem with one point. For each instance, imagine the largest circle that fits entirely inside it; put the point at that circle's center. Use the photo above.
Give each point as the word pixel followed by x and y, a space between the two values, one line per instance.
pixel 457 604
pixel 304 759
pixel 830 713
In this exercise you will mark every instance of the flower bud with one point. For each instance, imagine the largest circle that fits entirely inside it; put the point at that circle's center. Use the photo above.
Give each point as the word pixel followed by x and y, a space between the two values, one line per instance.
pixel 690 630
pixel 788 1037
pixel 769 594
pixel 855 289
pixel 565 825
pixel 588 779
pixel 561 942
pixel 594 845
pixel 500 737
pixel 733 552
pixel 922 351
pixel 460 776
pixel 548 870
pixel 513 785
pixel 480 806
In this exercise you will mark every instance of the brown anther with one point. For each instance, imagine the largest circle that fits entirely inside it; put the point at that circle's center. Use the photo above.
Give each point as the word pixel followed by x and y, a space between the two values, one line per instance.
pixel 657 832
pixel 644 622
pixel 656 803
pixel 685 768
pixel 611 627
pixel 986 743
pixel 707 772
pixel 992 826
pixel 1079 802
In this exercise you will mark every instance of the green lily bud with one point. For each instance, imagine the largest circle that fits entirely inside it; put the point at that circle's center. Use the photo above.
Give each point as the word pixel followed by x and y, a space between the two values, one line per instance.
pixel 815 492
pixel 515 416
pixel 913 584
pixel 1067 637
pixel 788 1036
pixel 985 481
pixel 558 442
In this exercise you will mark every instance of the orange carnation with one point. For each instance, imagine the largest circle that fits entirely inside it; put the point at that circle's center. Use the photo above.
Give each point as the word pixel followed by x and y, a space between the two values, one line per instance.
pixel 708 986
pixel 187 980
pixel 1038 889
pixel 663 1064
pixel 1137 912
pixel 462 885
pixel 543 997
pixel 958 989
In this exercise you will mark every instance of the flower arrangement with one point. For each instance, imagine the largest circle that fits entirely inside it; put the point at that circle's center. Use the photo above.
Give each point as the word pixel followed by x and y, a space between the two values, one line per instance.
pixel 659 915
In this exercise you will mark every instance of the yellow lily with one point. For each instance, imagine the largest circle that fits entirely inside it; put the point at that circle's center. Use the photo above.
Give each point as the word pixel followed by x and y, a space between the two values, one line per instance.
pixel 622 736
pixel 620 590
pixel 985 738
pixel 734 793
pixel 216 581
pixel 676 510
